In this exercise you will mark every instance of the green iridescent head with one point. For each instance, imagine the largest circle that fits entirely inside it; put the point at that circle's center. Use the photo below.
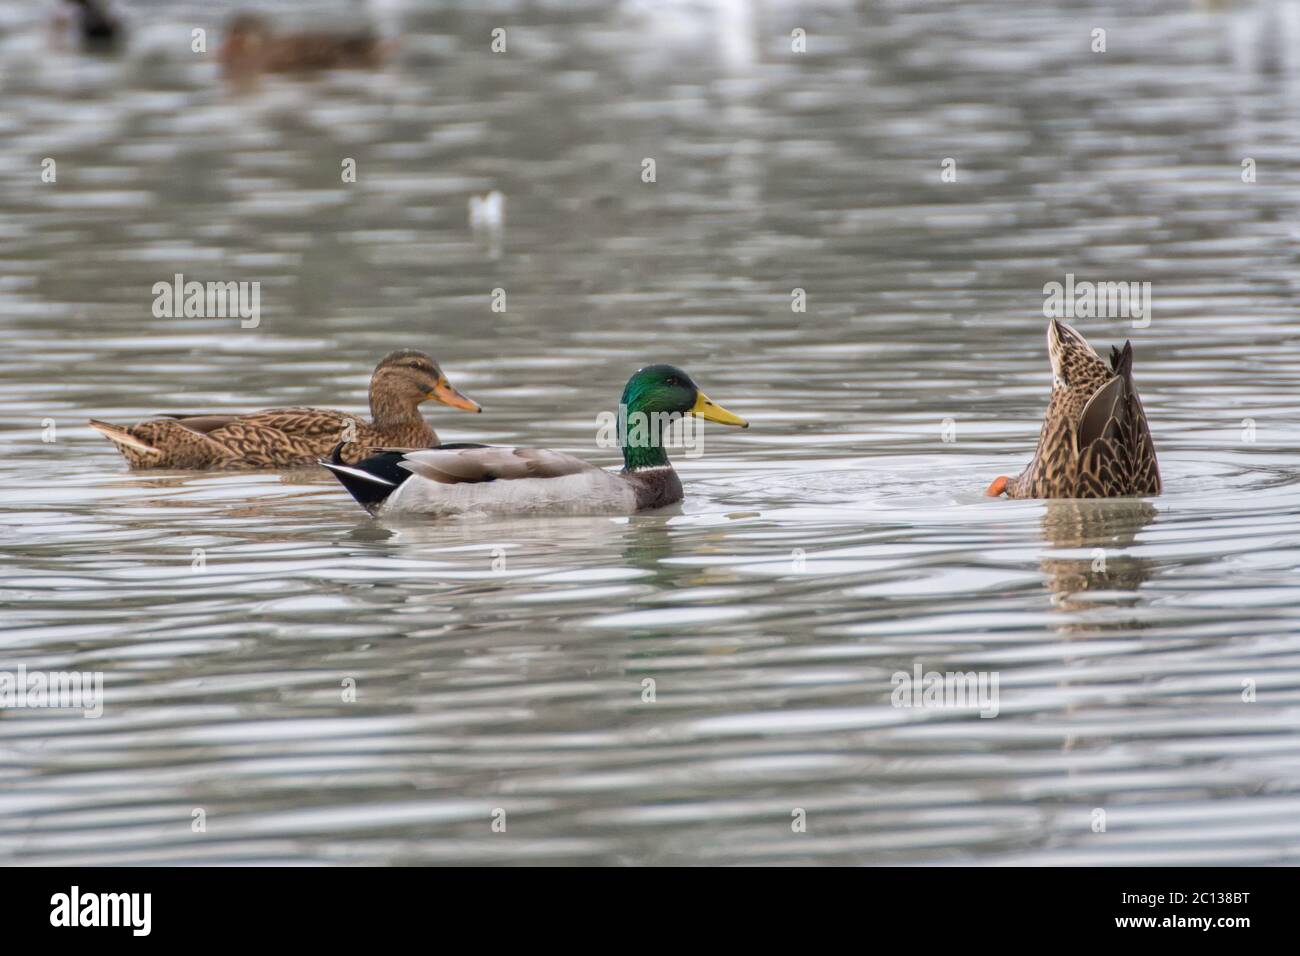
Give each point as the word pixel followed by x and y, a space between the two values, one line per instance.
pixel 663 390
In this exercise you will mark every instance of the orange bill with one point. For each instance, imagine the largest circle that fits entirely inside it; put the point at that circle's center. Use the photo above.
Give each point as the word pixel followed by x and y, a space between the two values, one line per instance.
pixel 445 393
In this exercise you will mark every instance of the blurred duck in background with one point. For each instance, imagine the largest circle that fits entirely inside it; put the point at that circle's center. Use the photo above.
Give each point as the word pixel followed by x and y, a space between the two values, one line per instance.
pixel 487 221
pixel 92 26
pixel 251 47
pixel 487 213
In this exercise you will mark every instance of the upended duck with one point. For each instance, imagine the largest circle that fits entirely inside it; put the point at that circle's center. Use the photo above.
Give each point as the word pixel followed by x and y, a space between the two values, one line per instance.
pixel 463 479
pixel 294 437
pixel 1095 442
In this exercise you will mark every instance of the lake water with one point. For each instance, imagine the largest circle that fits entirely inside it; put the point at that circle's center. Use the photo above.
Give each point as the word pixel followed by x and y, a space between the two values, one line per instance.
pixel 502 665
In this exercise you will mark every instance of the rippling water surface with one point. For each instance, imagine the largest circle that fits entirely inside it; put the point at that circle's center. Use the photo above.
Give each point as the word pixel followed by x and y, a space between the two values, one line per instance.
pixel 502 665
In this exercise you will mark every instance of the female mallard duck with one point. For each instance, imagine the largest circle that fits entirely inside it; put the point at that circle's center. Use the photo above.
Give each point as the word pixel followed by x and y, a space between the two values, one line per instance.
pixel 1095 442
pixel 457 479
pixel 251 47
pixel 289 437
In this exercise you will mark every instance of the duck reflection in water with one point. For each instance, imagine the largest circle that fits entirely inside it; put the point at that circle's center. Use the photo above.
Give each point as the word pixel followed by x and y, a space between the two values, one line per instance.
pixel 1106 528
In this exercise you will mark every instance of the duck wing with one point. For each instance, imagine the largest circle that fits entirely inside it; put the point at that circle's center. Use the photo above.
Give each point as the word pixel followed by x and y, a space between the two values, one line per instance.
pixel 305 422
pixel 251 444
pixel 1102 415
pixel 1115 452
pixel 310 423
pixel 203 424
pixel 1146 470
pixel 473 465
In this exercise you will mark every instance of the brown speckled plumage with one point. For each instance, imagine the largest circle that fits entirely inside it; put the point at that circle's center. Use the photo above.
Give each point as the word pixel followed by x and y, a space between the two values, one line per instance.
pixel 295 437
pixel 250 47
pixel 1095 442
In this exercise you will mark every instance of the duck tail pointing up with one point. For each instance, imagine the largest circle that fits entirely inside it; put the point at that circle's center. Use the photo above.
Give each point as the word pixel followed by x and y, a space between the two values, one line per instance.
pixel 1121 360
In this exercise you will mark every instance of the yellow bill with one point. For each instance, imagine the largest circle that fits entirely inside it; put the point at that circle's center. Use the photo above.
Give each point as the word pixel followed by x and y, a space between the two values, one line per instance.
pixel 711 411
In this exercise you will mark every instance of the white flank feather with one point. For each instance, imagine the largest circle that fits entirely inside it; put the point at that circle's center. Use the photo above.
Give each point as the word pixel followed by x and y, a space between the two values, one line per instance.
pixel 594 491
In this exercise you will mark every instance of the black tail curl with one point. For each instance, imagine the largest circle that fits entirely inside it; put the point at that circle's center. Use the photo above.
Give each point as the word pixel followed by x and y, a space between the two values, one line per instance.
pixel 371 480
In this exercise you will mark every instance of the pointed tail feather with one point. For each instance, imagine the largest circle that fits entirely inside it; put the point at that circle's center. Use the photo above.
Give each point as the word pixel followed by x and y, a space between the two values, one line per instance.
pixel 1121 362
pixel 120 436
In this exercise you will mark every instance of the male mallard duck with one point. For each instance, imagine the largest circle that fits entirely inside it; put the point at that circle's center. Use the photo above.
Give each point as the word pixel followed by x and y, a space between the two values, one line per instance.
pixel 287 437
pixel 477 478
pixel 251 47
pixel 1095 442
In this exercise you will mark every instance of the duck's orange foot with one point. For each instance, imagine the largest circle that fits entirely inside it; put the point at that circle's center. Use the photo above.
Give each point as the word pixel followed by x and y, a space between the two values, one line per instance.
pixel 998 487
